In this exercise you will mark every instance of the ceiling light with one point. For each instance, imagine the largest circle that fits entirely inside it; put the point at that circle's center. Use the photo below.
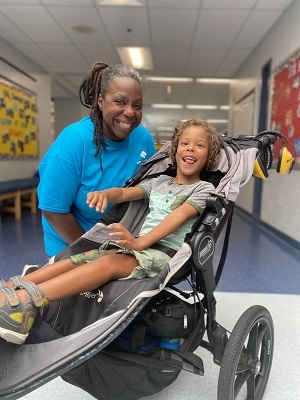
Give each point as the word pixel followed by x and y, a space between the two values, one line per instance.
pixel 167 105
pixel 165 128
pixel 217 121
pixel 138 57
pixel 168 79
pixel 83 29
pixel 201 107
pixel 119 3
pixel 213 80
pixel 224 107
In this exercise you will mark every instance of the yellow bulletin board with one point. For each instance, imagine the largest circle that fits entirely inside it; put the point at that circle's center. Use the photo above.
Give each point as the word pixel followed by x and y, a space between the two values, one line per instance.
pixel 18 122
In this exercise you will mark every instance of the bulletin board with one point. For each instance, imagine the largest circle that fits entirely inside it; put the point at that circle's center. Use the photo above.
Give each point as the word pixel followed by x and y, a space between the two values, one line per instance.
pixel 18 122
pixel 285 109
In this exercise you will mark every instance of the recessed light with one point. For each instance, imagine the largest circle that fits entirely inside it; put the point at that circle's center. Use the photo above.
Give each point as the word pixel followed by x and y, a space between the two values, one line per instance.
pixel 83 29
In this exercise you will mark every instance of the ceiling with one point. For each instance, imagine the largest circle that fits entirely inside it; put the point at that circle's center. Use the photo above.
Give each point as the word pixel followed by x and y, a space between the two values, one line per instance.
pixel 187 38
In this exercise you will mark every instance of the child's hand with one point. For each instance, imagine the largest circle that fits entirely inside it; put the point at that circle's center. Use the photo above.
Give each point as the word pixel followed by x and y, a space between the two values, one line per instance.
pixel 97 200
pixel 122 236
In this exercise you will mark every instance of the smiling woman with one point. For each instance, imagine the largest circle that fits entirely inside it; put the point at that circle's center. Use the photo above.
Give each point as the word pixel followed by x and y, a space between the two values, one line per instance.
pixel 95 153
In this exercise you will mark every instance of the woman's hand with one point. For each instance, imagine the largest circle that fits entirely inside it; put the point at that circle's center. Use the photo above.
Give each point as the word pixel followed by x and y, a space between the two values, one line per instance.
pixel 97 200
pixel 122 236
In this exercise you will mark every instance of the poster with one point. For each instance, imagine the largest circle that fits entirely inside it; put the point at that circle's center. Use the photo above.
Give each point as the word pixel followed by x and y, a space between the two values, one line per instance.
pixel 285 110
pixel 18 122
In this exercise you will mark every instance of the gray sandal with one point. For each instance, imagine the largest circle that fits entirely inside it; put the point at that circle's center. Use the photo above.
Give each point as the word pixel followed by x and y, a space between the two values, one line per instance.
pixel 16 317
pixel 16 280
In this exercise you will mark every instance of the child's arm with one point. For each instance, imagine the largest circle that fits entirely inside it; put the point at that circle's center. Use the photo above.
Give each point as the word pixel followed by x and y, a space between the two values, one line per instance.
pixel 169 225
pixel 99 200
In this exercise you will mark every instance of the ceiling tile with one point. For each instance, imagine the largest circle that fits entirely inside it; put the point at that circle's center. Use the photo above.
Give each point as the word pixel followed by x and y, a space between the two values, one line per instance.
pixel 229 4
pixel 36 23
pixel 272 4
pixel 215 28
pixel 165 29
pixel 263 21
pixel 233 59
pixel 10 32
pixel 71 16
pixel 204 59
pixel 165 58
pixel 105 54
pixel 67 57
pixel 118 24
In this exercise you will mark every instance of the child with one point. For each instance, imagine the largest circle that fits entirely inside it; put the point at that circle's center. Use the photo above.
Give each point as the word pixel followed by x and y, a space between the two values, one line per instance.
pixel 175 204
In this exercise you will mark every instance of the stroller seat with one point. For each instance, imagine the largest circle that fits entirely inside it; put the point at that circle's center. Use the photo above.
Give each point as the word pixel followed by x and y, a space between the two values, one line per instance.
pixel 81 349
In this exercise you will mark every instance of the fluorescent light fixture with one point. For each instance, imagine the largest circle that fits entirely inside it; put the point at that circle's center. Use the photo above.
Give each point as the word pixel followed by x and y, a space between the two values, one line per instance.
pixel 224 107
pixel 168 79
pixel 217 121
pixel 201 107
pixel 119 3
pixel 213 80
pixel 165 128
pixel 138 57
pixel 167 105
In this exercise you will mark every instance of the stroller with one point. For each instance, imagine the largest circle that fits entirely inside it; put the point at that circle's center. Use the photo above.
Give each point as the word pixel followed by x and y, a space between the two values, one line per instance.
pixel 112 349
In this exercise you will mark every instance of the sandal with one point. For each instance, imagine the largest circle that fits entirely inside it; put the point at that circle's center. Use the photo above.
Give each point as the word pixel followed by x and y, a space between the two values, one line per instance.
pixel 16 317
pixel 16 280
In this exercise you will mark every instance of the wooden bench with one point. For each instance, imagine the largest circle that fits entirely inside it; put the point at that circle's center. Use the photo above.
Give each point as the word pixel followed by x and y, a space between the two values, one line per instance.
pixel 18 193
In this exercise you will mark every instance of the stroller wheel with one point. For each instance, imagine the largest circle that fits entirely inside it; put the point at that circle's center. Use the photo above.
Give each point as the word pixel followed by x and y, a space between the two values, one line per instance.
pixel 247 358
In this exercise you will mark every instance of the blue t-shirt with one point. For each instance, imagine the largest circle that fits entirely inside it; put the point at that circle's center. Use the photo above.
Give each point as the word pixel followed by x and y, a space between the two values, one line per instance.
pixel 69 170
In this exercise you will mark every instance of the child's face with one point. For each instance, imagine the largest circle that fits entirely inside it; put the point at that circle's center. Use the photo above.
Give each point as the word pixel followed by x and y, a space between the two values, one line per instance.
pixel 191 154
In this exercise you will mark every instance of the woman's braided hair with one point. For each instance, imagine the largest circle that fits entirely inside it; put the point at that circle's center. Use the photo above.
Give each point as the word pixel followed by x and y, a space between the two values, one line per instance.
pixel 214 140
pixel 96 84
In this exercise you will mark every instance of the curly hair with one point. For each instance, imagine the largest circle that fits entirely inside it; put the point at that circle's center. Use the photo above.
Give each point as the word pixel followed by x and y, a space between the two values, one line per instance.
pixel 214 140
pixel 95 84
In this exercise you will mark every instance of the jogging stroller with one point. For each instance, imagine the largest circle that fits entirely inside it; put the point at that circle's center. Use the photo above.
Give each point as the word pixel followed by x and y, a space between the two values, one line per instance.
pixel 113 350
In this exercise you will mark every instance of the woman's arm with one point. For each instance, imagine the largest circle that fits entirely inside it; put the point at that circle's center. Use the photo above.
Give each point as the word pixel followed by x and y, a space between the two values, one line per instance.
pixel 169 225
pixel 65 225
pixel 100 199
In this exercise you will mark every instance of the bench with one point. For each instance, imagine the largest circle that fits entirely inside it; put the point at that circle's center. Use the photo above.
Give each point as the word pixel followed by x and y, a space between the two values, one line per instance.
pixel 18 193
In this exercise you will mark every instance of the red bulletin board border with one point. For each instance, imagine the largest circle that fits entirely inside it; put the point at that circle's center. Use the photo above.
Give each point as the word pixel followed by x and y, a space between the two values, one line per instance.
pixel 285 109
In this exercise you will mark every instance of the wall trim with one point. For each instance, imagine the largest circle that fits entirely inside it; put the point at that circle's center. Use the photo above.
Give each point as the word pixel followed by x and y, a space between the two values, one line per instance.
pixel 253 219
pixel 18 69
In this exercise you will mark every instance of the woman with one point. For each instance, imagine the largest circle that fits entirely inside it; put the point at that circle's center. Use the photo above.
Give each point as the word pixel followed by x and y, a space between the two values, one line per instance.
pixel 95 153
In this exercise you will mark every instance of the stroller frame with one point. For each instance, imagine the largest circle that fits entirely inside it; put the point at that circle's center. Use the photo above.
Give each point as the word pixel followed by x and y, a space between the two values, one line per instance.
pixel 244 355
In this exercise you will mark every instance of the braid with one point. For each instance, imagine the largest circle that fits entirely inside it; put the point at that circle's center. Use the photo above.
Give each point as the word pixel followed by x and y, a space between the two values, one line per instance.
pixel 96 84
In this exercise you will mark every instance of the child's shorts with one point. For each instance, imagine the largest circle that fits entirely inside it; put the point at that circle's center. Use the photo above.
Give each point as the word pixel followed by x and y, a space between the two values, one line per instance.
pixel 151 261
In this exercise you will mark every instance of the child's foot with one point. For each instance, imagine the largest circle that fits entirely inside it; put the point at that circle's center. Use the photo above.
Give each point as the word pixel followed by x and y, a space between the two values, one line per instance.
pixel 16 316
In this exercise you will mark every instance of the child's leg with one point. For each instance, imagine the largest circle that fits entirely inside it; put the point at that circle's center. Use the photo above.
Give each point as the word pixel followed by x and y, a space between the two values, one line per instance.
pixel 18 308
pixel 55 269
pixel 89 276
pixel 65 280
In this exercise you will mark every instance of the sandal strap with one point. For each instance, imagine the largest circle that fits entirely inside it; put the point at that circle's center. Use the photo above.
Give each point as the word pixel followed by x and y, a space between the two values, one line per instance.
pixel 2 284
pixel 11 296
pixel 17 281
pixel 36 294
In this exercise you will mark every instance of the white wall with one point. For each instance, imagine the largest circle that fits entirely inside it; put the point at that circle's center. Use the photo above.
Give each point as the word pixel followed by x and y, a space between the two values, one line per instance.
pixel 281 193
pixel 14 169
pixel 68 111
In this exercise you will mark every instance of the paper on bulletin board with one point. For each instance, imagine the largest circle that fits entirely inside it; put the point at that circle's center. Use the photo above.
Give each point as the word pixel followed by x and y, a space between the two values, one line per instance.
pixel 285 111
pixel 18 122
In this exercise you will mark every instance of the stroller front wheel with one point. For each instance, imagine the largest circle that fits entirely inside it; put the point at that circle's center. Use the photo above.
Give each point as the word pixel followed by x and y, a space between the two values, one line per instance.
pixel 247 358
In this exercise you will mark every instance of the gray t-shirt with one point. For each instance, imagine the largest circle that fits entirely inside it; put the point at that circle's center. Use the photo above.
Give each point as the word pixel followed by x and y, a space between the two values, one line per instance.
pixel 165 196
